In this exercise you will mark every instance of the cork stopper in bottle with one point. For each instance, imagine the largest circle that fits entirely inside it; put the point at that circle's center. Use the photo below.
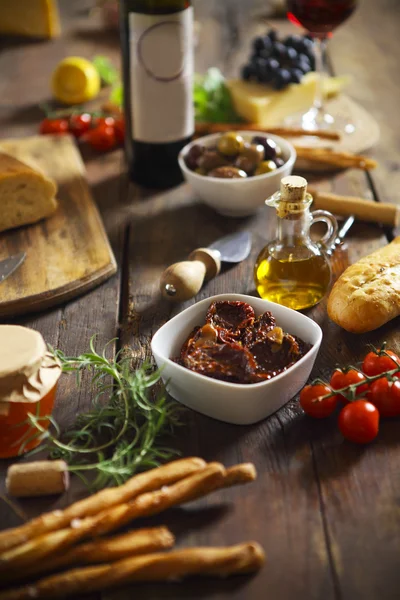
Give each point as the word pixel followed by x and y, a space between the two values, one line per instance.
pixel 293 189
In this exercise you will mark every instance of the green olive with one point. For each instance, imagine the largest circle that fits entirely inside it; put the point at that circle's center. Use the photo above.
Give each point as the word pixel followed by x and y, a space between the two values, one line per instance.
pixel 255 152
pixel 267 166
pixel 200 171
pixel 227 173
pixel 211 160
pixel 230 144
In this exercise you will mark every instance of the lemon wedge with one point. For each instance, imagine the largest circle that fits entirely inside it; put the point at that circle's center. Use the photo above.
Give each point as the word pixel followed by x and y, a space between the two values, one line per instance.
pixel 75 80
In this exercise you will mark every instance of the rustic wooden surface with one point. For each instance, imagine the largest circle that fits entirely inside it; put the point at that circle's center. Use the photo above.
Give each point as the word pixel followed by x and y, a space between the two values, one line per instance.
pixel 326 511
pixel 68 253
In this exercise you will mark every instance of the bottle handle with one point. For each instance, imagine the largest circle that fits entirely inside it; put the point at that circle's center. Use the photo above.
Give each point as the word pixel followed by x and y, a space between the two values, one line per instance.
pixel 323 216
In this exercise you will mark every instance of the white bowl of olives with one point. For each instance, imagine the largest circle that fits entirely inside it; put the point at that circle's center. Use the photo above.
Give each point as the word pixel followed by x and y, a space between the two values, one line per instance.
pixel 235 172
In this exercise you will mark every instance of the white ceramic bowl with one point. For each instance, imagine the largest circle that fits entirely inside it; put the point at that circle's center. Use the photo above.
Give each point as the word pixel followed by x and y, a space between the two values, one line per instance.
pixel 237 197
pixel 233 402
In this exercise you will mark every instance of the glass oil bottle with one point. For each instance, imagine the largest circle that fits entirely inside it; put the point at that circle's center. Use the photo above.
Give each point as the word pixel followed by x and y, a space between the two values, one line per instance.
pixel 293 270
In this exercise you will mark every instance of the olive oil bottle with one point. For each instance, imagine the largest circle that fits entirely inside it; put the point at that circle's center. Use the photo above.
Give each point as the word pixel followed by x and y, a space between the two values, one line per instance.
pixel 293 270
pixel 157 61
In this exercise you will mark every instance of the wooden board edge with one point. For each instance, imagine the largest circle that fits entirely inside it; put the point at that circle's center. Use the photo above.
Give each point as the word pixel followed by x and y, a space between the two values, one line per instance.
pixel 51 298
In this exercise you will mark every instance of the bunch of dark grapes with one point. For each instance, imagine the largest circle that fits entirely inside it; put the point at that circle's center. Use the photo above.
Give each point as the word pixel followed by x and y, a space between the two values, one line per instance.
pixel 279 63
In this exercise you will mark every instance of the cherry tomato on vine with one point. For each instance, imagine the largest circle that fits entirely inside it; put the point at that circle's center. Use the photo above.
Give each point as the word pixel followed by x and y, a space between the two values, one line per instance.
pixel 99 121
pixel 359 421
pixel 59 126
pixel 339 380
pixel 374 364
pixel 120 130
pixel 101 138
pixel 312 406
pixel 80 124
pixel 385 395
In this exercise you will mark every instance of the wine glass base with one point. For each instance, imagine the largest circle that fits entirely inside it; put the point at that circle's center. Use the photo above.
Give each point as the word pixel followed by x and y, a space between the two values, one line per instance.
pixel 317 120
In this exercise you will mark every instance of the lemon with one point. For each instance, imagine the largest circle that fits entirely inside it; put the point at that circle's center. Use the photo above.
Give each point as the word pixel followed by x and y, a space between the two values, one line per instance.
pixel 75 80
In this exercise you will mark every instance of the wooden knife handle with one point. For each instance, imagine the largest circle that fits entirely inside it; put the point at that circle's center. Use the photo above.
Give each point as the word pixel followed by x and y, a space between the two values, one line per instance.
pixel 183 280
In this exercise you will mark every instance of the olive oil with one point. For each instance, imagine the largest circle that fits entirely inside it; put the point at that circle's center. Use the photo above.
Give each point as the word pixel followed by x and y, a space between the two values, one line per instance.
pixel 297 283
pixel 293 270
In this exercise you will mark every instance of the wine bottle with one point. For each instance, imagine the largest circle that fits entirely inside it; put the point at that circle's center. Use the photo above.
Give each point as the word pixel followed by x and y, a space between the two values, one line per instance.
pixel 157 57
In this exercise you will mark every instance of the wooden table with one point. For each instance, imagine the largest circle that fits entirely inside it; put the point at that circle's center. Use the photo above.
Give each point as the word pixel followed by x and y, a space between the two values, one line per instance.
pixel 326 511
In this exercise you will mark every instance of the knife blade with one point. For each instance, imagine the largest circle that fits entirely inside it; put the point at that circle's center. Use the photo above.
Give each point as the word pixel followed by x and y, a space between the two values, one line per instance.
pixel 10 264
pixel 183 280
pixel 341 234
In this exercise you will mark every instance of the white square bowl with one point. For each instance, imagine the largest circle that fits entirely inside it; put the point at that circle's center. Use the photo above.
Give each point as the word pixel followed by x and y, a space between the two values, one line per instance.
pixel 241 404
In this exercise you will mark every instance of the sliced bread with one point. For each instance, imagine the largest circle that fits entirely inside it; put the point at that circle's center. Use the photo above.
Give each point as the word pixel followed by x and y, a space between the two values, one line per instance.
pixel 26 195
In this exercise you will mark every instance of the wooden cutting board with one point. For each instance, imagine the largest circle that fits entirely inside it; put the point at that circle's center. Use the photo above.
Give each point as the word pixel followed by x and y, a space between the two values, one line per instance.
pixel 66 254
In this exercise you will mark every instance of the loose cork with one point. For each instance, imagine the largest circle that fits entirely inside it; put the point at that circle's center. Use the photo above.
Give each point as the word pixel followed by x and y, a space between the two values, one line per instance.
pixel 39 478
pixel 293 189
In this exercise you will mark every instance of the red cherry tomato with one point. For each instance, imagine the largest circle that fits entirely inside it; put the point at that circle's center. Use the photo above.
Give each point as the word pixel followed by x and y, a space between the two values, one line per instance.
pixel 313 403
pixel 339 380
pixel 120 130
pixel 80 124
pixel 359 421
pixel 59 126
pixel 385 395
pixel 101 138
pixel 374 364
pixel 104 121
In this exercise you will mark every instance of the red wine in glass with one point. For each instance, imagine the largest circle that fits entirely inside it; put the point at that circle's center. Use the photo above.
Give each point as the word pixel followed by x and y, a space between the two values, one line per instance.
pixel 319 17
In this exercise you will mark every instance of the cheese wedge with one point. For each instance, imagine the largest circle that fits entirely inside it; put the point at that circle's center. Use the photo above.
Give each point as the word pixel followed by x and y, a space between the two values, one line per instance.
pixel 31 18
pixel 261 104
pixel 26 196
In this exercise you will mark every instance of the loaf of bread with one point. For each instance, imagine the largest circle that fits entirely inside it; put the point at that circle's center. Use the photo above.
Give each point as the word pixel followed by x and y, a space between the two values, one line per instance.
pixel 367 294
pixel 26 195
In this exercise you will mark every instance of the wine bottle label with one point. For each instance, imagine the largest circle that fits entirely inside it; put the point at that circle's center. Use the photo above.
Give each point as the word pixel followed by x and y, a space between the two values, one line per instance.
pixel 161 60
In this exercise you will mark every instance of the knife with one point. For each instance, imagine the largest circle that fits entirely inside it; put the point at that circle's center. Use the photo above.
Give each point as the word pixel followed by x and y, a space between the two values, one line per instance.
pixel 183 280
pixel 10 264
pixel 341 234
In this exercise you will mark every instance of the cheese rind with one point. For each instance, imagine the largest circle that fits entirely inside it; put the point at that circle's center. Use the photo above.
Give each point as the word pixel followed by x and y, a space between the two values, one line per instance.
pixel 26 196
pixel 31 18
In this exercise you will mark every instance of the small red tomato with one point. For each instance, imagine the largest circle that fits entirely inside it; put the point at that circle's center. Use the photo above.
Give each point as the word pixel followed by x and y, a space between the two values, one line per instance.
pixel 80 124
pixel 374 364
pixel 120 130
pixel 313 403
pixel 59 126
pixel 385 395
pixel 359 421
pixel 101 138
pixel 104 121
pixel 339 380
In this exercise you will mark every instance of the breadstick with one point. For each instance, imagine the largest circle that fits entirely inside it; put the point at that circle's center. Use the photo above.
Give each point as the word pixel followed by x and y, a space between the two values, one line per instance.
pixel 340 159
pixel 220 562
pixel 142 541
pixel 35 550
pixel 239 474
pixel 144 482
pixel 205 128
pixel 152 503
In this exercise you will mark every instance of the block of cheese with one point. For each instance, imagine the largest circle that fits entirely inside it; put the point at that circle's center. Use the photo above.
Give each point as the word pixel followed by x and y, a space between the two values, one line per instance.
pixel 258 103
pixel 26 195
pixel 31 18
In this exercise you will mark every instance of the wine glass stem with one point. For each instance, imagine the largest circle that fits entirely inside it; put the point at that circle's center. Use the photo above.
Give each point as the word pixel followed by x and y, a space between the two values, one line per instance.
pixel 319 53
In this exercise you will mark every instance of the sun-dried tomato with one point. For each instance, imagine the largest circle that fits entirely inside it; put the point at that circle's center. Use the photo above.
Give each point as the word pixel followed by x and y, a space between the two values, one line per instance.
pixel 229 362
pixel 230 315
pixel 235 346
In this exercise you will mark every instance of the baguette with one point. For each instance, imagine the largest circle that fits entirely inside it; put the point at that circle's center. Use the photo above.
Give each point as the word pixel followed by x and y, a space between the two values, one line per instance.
pixel 26 195
pixel 367 294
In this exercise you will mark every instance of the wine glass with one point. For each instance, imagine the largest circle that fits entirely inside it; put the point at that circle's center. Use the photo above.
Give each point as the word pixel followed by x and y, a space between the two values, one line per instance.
pixel 320 18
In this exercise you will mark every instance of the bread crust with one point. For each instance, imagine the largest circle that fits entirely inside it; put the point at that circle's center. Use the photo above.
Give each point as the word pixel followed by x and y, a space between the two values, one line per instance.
pixel 367 294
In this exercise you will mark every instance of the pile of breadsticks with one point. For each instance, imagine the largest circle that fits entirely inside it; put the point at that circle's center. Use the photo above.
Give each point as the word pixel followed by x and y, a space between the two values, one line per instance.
pixel 70 539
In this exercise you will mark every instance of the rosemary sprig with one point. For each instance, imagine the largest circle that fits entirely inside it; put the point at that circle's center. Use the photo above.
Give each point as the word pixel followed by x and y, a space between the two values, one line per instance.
pixel 117 437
